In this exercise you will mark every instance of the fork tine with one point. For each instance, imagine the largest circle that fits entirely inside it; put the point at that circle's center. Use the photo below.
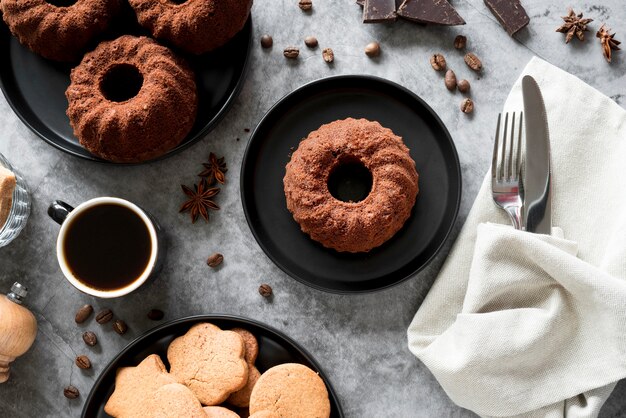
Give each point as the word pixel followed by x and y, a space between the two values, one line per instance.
pixel 494 159
pixel 509 165
pixel 502 160
pixel 518 159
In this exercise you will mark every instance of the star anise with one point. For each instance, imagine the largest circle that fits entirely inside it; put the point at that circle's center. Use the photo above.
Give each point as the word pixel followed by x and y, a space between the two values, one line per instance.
pixel 608 42
pixel 199 201
pixel 215 169
pixel 574 25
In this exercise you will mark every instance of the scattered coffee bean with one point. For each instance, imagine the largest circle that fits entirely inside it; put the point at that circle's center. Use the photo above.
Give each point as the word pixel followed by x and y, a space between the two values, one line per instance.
pixel 71 392
pixel 90 338
pixel 372 49
pixel 328 55
pixel 265 290
pixel 215 260
pixel 156 314
pixel 310 41
pixel 473 62
pixel 246 129
pixel 291 52
pixel 120 326
pixel 83 362
pixel 467 106
pixel 266 41
pixel 463 85
pixel 83 313
pixel 104 316
pixel 438 62
pixel 450 80
pixel 460 41
pixel 305 4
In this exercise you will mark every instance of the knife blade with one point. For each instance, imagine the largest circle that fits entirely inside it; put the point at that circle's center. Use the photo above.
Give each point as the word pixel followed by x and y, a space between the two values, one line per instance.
pixel 537 215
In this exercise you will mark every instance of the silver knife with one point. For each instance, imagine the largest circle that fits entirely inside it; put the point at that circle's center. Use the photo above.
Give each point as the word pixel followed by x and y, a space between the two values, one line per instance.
pixel 537 216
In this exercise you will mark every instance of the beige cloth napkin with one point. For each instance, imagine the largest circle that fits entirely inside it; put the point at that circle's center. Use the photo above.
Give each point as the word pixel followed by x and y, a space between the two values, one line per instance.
pixel 519 324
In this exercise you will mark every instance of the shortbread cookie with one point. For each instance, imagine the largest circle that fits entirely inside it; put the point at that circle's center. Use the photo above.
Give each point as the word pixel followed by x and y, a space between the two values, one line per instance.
pixel 7 186
pixel 173 401
pixel 210 362
pixel 135 385
pixel 219 412
pixel 265 414
pixel 250 343
pixel 241 398
pixel 291 390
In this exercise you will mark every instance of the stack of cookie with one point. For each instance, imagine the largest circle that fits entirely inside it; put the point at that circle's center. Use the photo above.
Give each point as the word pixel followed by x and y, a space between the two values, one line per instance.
pixel 213 373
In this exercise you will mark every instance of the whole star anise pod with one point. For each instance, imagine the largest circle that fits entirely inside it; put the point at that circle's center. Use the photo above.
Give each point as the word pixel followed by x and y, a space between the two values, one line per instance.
pixel 215 169
pixel 608 41
pixel 574 25
pixel 199 201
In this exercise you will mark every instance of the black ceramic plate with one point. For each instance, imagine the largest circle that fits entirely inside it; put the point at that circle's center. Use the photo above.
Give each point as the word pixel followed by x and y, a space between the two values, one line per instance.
pixel 274 348
pixel 35 87
pixel 303 111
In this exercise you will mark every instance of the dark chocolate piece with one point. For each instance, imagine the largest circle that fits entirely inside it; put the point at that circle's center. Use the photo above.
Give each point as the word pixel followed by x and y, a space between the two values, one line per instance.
pixel 510 14
pixel 376 11
pixel 438 12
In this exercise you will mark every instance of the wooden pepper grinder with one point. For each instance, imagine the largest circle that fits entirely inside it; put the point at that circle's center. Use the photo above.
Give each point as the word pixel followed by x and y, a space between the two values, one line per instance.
pixel 18 328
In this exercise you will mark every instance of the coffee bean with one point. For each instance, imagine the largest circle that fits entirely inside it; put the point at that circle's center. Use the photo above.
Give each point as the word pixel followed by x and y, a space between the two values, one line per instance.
pixel 266 41
pixel 473 62
pixel 310 41
pixel 463 85
pixel 83 313
pixel 90 338
pixel 215 260
pixel 372 49
pixel 460 41
pixel 71 392
pixel 438 62
pixel 450 80
pixel 328 55
pixel 467 106
pixel 265 290
pixel 83 362
pixel 291 52
pixel 156 314
pixel 120 326
pixel 305 4
pixel 104 316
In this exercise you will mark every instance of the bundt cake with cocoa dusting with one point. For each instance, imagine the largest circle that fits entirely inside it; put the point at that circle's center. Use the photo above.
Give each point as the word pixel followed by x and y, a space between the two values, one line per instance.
pixel 58 29
pixel 131 100
pixel 196 26
pixel 353 153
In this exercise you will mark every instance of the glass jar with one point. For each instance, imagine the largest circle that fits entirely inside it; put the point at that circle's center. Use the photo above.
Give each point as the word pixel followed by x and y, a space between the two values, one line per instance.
pixel 20 207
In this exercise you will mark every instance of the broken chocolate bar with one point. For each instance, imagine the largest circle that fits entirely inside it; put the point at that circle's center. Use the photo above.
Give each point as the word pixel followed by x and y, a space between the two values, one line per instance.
pixel 438 12
pixel 510 14
pixel 376 11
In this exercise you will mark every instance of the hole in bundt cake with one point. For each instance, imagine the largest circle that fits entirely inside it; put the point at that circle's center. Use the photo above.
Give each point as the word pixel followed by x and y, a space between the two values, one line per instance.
pixel 61 3
pixel 178 1
pixel 121 82
pixel 350 181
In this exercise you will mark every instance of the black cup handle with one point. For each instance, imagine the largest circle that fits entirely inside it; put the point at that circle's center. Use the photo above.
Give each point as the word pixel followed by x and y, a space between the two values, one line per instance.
pixel 58 211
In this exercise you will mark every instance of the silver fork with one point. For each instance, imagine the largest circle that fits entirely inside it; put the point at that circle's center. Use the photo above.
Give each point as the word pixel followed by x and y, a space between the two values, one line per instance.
pixel 506 179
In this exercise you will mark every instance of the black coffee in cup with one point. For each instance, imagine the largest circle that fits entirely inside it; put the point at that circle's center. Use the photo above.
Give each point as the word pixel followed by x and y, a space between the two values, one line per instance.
pixel 107 246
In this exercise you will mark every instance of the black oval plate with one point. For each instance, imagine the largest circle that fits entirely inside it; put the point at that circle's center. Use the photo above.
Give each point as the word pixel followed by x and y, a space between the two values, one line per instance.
pixel 35 87
pixel 274 348
pixel 303 111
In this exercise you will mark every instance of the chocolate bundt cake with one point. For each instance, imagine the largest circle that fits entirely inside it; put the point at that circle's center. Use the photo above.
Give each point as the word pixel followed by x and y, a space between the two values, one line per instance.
pixel 196 26
pixel 58 29
pixel 131 100
pixel 350 154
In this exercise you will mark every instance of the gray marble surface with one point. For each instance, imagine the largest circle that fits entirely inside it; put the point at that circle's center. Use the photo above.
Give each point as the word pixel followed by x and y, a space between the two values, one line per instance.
pixel 359 340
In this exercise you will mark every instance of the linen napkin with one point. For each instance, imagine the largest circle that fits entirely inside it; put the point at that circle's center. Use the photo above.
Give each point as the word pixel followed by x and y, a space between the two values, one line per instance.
pixel 520 324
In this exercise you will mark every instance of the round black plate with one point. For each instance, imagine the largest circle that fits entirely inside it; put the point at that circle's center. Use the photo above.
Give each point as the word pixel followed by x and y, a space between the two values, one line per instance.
pixel 274 348
pixel 35 87
pixel 303 111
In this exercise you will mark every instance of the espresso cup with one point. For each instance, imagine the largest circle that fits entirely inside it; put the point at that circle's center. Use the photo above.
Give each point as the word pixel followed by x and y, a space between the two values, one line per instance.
pixel 107 247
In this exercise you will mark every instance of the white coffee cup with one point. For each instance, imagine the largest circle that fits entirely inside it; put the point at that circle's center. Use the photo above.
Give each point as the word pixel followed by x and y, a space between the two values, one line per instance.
pixel 63 214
